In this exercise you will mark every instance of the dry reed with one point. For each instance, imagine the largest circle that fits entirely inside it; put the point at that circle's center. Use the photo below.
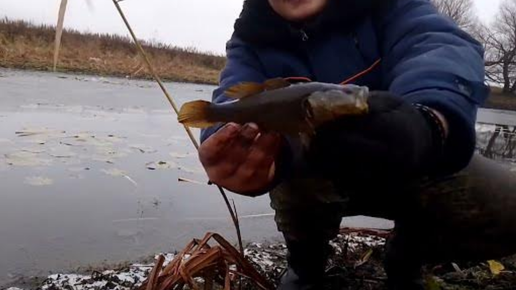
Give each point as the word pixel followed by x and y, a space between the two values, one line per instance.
pixel 145 58
pixel 218 267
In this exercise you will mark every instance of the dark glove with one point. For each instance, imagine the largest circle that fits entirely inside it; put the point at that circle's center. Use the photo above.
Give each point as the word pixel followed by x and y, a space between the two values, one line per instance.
pixel 394 143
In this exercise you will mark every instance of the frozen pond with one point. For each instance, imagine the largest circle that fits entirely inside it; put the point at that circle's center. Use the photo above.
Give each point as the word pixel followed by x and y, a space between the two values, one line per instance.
pixel 89 171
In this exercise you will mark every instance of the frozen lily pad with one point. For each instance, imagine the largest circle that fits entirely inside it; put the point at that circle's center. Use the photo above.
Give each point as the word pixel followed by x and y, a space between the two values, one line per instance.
pixel 101 158
pixel 111 152
pixel 78 169
pixel 26 159
pixel 119 173
pixel 35 141
pixel 38 181
pixel 180 155
pixel 160 165
pixel 114 172
pixel 82 137
pixel 143 148
pixel 110 139
pixel 26 132
pixel 192 170
pixel 89 139
pixel 61 152
pixel 35 150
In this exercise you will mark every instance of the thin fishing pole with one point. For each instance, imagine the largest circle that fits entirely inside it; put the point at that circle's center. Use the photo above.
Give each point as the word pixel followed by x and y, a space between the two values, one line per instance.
pixel 176 110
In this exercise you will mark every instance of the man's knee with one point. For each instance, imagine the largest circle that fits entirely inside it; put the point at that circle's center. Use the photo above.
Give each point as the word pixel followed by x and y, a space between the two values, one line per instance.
pixel 307 207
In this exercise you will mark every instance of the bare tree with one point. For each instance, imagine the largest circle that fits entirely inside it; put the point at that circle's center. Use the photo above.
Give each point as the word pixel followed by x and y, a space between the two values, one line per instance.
pixel 461 11
pixel 500 43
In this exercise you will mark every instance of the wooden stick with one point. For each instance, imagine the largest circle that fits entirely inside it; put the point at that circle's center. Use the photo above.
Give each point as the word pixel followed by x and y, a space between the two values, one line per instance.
pixel 59 31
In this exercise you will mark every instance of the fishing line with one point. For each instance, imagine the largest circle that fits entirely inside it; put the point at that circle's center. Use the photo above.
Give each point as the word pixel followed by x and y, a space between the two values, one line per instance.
pixel 232 211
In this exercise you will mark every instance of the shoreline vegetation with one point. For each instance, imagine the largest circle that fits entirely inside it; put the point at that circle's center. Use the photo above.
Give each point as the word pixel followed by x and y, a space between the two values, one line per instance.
pixel 24 45
pixel 355 264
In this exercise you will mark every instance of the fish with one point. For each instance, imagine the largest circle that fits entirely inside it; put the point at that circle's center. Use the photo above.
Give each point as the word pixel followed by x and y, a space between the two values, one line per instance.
pixel 280 106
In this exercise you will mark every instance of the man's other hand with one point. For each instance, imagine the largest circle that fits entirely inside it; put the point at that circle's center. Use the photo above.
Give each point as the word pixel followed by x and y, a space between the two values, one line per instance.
pixel 241 159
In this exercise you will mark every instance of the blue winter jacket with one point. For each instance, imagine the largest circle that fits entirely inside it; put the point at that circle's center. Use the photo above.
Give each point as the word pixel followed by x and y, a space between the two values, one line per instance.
pixel 404 46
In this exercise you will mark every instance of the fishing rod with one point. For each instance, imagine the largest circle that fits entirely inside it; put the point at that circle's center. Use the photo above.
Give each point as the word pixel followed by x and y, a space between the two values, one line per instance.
pixel 232 211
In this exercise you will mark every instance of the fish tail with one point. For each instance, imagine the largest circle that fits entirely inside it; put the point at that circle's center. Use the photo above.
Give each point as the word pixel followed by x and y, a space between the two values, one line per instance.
pixel 195 114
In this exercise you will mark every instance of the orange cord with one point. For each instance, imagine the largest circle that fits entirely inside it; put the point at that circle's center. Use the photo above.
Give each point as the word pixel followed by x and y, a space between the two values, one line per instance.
pixel 299 79
pixel 360 74
pixel 351 79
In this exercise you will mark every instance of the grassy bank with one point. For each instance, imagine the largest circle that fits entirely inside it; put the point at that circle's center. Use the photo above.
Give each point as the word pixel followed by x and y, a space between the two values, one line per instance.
pixel 27 46
pixel 500 100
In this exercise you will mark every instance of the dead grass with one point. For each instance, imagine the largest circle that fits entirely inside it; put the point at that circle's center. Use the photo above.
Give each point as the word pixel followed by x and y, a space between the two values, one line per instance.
pixel 500 100
pixel 27 46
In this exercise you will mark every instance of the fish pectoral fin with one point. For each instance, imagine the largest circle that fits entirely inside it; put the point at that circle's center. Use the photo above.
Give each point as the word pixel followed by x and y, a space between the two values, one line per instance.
pixel 243 90
pixel 276 83
pixel 195 114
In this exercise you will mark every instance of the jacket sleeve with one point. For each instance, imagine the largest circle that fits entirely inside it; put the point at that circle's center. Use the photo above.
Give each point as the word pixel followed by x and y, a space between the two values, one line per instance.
pixel 242 65
pixel 428 59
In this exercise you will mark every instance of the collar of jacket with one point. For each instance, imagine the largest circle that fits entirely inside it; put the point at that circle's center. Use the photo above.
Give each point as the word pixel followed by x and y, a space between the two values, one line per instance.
pixel 259 24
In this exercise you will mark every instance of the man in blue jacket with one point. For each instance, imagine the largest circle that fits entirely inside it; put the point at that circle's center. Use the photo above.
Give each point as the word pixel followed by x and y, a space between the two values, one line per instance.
pixel 432 76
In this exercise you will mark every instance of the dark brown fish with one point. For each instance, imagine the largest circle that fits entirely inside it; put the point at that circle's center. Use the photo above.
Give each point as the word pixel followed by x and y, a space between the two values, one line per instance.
pixel 279 106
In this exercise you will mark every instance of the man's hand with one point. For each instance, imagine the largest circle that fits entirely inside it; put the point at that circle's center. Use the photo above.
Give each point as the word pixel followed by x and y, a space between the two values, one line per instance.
pixel 394 143
pixel 241 158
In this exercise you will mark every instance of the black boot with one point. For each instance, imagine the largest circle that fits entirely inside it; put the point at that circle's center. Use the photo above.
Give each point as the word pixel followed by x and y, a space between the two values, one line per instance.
pixel 306 265
pixel 403 262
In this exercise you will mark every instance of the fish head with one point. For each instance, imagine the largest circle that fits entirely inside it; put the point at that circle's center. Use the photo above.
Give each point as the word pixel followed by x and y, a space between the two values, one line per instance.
pixel 336 101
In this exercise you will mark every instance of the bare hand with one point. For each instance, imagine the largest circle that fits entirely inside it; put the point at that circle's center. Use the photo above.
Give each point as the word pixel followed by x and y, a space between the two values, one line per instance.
pixel 240 158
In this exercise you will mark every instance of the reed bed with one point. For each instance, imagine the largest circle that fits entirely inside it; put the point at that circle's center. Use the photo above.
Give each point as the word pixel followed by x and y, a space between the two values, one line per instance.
pixel 28 46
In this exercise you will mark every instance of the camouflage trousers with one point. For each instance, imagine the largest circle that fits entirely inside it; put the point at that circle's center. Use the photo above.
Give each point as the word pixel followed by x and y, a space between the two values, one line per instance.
pixel 456 214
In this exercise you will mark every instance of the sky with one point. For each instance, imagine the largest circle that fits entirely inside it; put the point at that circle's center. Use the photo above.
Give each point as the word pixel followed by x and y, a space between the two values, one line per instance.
pixel 203 24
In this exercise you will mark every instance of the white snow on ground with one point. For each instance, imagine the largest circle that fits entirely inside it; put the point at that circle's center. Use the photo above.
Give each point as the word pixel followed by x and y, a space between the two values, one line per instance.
pixel 128 278
pixel 269 259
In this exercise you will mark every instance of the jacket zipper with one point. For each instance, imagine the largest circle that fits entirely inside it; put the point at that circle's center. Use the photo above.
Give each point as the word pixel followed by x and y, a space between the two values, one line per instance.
pixel 304 36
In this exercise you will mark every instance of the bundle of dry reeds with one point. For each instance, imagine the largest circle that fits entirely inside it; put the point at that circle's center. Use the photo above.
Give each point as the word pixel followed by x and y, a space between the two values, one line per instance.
pixel 217 267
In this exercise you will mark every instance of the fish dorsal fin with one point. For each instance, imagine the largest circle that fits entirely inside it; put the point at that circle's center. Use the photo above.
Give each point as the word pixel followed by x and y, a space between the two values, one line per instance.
pixel 277 83
pixel 244 90
pixel 247 89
